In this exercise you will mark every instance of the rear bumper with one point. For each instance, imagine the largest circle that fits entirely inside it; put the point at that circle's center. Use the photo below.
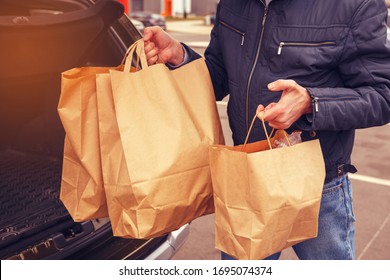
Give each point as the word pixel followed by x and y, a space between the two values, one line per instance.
pixel 173 242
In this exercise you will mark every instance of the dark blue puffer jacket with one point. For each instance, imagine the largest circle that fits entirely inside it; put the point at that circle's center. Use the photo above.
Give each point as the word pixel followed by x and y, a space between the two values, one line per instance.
pixel 335 48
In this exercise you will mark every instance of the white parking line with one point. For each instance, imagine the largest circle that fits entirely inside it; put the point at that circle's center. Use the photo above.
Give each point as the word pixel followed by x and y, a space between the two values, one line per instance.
pixel 369 179
pixel 374 237
pixel 198 44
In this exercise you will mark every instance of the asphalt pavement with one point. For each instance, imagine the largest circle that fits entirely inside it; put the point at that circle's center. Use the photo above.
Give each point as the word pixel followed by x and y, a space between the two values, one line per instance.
pixel 371 185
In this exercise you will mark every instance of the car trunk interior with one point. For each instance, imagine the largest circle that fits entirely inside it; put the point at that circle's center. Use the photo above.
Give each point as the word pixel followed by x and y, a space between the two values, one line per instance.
pixel 35 49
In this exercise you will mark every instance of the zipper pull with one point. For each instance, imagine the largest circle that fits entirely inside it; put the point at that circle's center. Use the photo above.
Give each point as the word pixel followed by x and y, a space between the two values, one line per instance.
pixel 242 39
pixel 265 15
pixel 280 48
pixel 315 101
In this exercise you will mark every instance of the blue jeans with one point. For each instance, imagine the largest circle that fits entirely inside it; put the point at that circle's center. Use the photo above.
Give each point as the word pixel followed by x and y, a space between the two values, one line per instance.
pixel 335 240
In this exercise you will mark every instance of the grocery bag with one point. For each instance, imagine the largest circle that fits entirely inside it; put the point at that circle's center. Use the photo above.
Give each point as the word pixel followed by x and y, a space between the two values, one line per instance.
pixel 82 190
pixel 266 199
pixel 166 119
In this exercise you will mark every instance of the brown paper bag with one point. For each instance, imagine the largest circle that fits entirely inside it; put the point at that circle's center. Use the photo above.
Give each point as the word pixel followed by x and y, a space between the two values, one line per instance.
pixel 265 200
pixel 82 189
pixel 166 121
pixel 115 172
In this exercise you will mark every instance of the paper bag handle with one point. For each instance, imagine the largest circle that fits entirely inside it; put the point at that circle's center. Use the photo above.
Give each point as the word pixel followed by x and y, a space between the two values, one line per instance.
pixel 141 62
pixel 261 117
pixel 139 49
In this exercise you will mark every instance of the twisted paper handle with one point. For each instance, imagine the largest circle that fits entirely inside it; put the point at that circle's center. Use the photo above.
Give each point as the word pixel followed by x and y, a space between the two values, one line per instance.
pixel 261 117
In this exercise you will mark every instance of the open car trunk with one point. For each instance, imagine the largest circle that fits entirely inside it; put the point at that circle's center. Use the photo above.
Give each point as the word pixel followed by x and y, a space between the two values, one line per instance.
pixel 41 39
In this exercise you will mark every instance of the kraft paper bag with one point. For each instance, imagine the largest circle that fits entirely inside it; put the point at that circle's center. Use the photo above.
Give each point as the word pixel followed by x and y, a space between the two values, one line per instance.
pixel 266 199
pixel 115 172
pixel 82 190
pixel 166 121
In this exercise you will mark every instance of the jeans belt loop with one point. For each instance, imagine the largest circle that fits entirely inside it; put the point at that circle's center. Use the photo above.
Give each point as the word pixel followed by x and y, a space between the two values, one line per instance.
pixel 345 168
pixel 340 170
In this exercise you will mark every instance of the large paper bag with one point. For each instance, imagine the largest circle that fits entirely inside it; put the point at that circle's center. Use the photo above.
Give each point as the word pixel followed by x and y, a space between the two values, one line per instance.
pixel 166 121
pixel 82 189
pixel 265 200
pixel 114 167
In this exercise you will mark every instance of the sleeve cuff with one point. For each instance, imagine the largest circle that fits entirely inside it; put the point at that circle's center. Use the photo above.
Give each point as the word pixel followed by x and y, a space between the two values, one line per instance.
pixel 185 60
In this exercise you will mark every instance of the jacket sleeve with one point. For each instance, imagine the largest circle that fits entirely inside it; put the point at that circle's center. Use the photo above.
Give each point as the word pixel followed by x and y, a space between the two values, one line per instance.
pixel 215 63
pixel 215 66
pixel 364 66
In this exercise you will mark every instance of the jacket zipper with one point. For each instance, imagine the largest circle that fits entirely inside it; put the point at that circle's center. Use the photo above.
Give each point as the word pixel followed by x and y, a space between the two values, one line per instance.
pixel 299 44
pixel 254 65
pixel 315 100
pixel 234 30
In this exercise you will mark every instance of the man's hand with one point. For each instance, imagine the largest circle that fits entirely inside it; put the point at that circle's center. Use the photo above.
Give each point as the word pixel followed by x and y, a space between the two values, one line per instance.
pixel 294 102
pixel 159 44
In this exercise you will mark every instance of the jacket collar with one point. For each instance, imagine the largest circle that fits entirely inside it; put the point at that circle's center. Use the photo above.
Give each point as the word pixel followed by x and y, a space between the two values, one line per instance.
pixel 266 2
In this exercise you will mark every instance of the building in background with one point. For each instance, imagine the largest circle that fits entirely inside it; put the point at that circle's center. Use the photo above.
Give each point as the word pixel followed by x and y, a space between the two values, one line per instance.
pixel 177 8
pixel 204 7
pixel 154 6
pixel 180 8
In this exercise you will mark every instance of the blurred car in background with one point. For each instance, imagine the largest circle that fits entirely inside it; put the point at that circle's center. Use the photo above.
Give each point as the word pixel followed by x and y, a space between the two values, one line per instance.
pixel 149 19
pixel 138 24
pixel 41 39
pixel 209 19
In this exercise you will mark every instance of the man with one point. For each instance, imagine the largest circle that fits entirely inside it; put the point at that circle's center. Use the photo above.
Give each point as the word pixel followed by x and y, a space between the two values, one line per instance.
pixel 322 67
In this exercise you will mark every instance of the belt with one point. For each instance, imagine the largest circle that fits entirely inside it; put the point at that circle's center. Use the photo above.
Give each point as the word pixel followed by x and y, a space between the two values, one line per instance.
pixel 338 171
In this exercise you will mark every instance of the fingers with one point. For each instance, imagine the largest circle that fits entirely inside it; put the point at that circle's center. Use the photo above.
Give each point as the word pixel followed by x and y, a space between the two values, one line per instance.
pixel 149 46
pixel 153 39
pixel 294 102
pixel 265 111
pixel 269 113
pixel 152 60
pixel 273 114
pixel 282 85
pixel 159 44
pixel 260 111
pixel 151 52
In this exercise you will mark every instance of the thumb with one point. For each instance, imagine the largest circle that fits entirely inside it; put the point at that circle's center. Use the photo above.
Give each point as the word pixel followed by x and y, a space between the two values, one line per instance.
pixel 260 111
pixel 260 108
pixel 281 85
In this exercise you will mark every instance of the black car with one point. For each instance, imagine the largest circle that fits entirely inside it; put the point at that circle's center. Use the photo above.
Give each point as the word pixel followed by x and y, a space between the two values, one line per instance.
pixel 39 40
pixel 149 19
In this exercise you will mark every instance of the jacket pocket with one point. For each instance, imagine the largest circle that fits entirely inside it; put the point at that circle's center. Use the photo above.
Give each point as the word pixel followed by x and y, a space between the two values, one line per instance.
pixel 303 58
pixel 303 44
pixel 234 30
pixel 231 38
